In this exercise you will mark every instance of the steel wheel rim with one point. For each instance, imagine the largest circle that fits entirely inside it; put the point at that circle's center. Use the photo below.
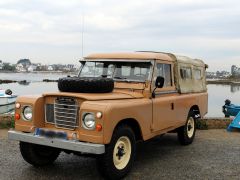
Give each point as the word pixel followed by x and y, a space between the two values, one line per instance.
pixel 122 152
pixel 190 127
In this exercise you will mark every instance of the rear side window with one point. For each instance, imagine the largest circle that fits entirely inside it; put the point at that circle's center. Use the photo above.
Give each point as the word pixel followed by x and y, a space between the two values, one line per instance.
pixel 197 74
pixel 186 73
pixel 164 70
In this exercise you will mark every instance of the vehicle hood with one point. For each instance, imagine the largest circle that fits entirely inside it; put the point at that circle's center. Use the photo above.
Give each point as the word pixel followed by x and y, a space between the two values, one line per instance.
pixel 99 96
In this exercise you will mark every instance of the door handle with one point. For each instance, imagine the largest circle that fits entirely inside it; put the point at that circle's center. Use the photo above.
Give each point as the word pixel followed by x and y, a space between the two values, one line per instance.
pixel 172 106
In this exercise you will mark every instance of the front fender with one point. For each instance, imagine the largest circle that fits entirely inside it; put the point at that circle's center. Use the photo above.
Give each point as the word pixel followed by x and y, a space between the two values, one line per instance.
pixel 37 103
pixel 117 111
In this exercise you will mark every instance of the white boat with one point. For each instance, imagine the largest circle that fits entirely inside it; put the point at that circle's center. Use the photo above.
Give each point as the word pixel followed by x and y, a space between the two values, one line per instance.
pixel 6 99
pixel 7 108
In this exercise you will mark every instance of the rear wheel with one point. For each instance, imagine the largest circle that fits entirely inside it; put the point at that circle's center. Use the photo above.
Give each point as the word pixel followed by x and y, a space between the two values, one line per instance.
pixel 38 155
pixel 119 156
pixel 186 133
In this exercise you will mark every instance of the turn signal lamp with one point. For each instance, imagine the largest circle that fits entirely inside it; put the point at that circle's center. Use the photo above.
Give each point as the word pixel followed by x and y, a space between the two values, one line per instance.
pixel 98 127
pixel 17 105
pixel 99 115
pixel 17 116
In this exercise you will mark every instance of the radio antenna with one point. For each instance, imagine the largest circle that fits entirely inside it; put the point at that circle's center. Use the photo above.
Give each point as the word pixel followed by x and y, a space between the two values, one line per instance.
pixel 82 34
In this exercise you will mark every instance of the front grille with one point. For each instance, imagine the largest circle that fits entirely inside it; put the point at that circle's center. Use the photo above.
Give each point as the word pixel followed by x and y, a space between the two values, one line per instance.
pixel 66 113
pixel 49 113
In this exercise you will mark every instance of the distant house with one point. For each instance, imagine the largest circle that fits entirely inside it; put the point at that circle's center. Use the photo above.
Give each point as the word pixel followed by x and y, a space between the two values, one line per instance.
pixel 24 62
pixel 20 68
pixel 235 71
pixel 50 68
pixel 68 67
pixel 32 68
pixel 23 65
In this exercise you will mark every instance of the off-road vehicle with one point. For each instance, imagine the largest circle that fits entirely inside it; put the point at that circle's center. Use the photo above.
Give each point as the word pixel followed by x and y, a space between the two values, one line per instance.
pixel 116 100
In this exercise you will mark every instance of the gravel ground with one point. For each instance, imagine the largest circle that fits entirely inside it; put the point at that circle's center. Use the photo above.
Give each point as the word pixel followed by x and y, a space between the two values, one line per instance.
pixel 215 154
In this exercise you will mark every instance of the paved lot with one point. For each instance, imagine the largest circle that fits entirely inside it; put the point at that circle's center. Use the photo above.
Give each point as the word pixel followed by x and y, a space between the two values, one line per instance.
pixel 215 154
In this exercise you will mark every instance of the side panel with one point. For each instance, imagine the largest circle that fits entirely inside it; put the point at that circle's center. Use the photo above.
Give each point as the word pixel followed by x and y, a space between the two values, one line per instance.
pixel 184 102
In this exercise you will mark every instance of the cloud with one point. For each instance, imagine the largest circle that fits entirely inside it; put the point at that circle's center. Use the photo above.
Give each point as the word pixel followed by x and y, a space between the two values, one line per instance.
pixel 52 30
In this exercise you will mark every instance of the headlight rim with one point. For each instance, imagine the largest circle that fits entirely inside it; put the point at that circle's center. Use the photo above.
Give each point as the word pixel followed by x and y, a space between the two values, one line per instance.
pixel 83 120
pixel 23 114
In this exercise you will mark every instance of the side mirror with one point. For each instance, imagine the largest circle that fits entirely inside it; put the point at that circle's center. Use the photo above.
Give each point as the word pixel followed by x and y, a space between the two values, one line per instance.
pixel 158 84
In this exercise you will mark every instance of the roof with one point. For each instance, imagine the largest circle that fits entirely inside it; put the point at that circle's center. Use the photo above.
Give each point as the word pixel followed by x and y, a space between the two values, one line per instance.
pixel 147 55
pixel 133 55
pixel 187 60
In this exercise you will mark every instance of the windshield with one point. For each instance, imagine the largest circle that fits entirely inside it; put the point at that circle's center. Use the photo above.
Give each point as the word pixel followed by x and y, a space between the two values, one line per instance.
pixel 119 71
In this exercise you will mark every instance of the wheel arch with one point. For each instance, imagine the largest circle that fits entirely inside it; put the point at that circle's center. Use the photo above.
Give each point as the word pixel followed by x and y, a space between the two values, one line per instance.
pixel 195 109
pixel 131 122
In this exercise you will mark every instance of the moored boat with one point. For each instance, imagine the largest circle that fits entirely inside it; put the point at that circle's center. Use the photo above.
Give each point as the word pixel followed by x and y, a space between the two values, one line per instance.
pixel 7 98
pixel 7 108
pixel 230 109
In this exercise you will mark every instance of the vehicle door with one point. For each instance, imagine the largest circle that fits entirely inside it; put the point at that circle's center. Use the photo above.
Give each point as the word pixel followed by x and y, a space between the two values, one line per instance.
pixel 164 114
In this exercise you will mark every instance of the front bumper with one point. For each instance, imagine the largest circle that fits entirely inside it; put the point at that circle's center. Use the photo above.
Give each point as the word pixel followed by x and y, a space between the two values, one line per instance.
pixel 72 145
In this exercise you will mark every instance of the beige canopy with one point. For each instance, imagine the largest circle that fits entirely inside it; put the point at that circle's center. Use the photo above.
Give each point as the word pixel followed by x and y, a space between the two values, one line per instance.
pixel 190 74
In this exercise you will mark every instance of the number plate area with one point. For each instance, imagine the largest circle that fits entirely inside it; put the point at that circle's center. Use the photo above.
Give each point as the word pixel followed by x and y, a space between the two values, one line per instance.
pixel 50 133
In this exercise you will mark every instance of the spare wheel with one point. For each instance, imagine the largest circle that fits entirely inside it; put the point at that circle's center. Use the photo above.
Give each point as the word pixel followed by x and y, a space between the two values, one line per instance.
pixel 86 84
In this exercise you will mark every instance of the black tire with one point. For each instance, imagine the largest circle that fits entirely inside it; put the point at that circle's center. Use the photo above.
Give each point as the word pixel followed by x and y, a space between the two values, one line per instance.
pixel 38 155
pixel 106 165
pixel 187 132
pixel 85 84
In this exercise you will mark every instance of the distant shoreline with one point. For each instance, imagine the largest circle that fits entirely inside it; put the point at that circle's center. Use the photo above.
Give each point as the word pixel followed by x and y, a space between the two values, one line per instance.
pixel 44 72
pixel 224 82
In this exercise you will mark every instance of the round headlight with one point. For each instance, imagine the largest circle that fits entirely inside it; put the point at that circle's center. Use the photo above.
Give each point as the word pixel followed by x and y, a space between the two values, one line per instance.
pixel 27 113
pixel 89 121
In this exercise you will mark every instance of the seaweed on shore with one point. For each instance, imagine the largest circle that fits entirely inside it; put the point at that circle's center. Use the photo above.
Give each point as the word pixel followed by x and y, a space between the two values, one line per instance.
pixel 7 81
pixel 49 80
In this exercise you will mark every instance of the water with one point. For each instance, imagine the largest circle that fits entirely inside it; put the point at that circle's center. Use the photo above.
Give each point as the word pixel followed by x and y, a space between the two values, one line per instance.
pixel 216 93
pixel 31 77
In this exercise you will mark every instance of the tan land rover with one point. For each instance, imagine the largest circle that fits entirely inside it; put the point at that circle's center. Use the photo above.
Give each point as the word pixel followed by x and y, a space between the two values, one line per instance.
pixel 116 100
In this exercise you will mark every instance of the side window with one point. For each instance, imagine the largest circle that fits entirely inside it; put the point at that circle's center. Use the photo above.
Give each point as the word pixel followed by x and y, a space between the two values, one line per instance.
pixel 186 73
pixel 126 70
pixel 197 74
pixel 110 70
pixel 164 70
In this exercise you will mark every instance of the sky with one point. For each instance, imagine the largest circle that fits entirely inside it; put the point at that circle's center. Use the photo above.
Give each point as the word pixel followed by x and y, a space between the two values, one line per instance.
pixel 51 31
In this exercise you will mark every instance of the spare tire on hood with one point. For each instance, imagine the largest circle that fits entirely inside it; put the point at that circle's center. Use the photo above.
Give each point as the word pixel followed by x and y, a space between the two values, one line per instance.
pixel 86 84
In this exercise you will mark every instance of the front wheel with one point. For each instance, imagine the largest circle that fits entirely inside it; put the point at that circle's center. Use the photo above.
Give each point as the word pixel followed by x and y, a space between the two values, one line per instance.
pixel 186 133
pixel 119 156
pixel 38 155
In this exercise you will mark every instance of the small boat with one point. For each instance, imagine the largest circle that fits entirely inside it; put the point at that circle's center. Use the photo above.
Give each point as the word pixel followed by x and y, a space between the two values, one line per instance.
pixel 7 108
pixel 6 97
pixel 230 109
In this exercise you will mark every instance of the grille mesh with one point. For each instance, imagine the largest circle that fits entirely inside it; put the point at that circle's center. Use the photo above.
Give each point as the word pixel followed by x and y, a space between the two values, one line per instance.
pixel 66 113
pixel 49 113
